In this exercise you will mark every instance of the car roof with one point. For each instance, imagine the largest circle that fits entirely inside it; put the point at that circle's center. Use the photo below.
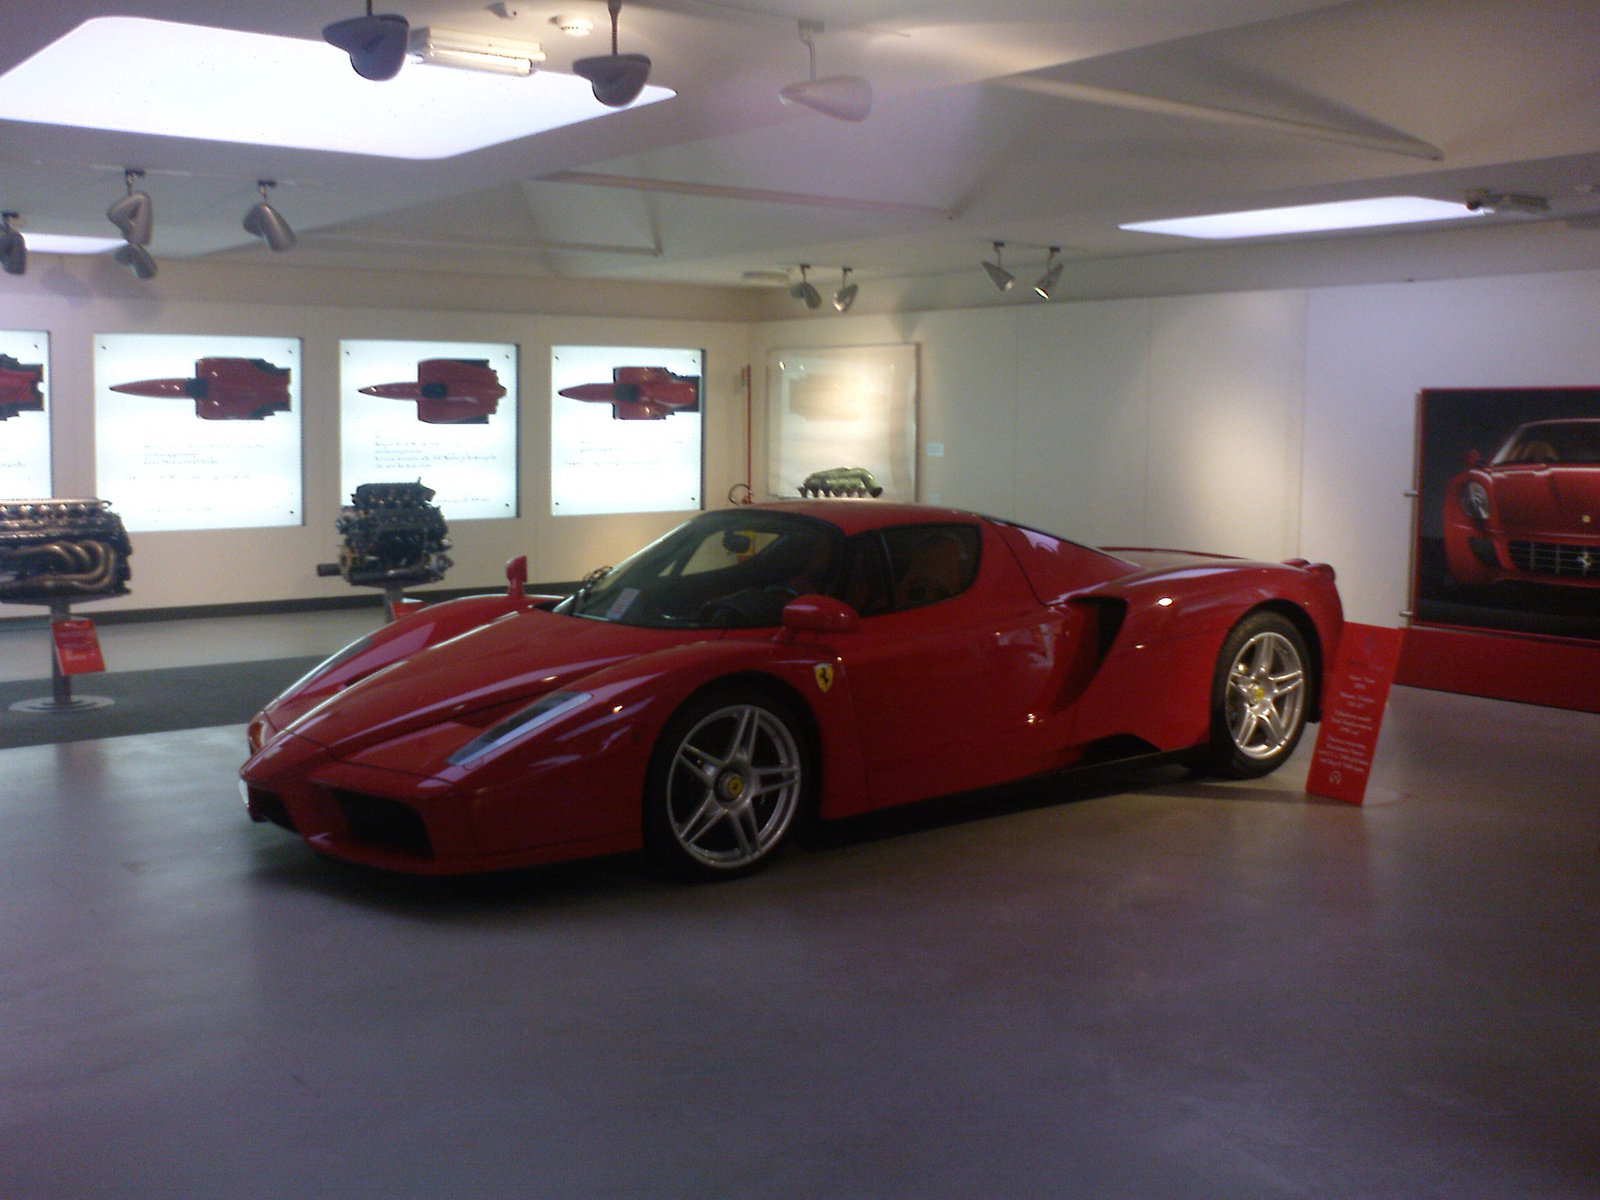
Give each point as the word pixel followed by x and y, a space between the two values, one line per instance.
pixel 1557 421
pixel 856 516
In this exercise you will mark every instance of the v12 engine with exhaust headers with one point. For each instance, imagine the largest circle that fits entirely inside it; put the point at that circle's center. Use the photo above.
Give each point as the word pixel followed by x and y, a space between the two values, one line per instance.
pixel 61 550
pixel 393 536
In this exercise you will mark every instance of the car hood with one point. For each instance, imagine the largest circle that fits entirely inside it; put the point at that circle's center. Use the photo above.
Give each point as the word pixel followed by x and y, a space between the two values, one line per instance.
pixel 518 657
pixel 1548 499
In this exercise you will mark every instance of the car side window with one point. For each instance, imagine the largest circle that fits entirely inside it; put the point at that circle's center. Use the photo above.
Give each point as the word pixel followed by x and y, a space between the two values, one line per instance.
pixel 911 565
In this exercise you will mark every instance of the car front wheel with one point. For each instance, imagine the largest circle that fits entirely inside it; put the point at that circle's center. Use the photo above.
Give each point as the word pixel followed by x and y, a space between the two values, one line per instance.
pixel 727 783
pixel 1259 697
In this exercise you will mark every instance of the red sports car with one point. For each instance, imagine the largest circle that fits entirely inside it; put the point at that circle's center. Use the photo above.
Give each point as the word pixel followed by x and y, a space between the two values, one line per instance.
pixel 1530 513
pixel 641 393
pixel 21 387
pixel 223 389
pixel 764 665
pixel 448 391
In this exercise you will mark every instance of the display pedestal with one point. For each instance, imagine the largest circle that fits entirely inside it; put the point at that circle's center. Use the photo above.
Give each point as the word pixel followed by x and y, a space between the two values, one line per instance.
pixel 61 699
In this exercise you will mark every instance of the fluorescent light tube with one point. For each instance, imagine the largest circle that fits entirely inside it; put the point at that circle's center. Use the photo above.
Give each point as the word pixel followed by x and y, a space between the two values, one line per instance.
pixel 68 243
pixel 137 75
pixel 1309 218
pixel 474 52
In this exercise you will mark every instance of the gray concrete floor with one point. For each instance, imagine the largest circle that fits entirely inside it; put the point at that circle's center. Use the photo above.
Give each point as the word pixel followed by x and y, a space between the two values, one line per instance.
pixel 1156 989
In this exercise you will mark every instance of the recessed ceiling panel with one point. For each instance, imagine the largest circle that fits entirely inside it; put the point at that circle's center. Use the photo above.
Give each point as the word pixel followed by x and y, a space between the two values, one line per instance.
pixel 160 77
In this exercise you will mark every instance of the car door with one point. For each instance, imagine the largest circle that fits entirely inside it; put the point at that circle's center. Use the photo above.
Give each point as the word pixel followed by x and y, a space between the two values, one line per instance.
pixel 955 666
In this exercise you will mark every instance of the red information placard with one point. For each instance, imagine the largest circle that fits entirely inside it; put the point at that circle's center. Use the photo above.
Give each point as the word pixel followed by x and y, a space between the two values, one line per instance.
pixel 1363 669
pixel 77 646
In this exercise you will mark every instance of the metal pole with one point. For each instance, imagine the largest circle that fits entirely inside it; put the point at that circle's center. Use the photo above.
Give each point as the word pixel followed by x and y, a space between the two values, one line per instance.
pixel 60 681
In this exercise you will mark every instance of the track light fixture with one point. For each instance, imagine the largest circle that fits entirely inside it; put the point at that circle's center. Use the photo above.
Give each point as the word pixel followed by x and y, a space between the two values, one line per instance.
pixel 846 295
pixel 804 291
pixel 846 97
pixel 1520 204
pixel 13 250
pixel 265 222
pixel 137 259
pixel 376 44
pixel 133 214
pixel 1051 276
pixel 1002 279
pixel 617 78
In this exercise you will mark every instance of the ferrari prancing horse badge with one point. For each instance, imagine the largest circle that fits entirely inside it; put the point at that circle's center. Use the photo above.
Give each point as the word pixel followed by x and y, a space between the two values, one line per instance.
pixel 824 673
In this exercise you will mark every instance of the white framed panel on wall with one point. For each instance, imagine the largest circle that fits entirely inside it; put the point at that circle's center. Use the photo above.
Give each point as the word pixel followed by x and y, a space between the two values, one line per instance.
pixel 444 413
pixel 24 414
pixel 626 429
pixel 843 406
pixel 198 432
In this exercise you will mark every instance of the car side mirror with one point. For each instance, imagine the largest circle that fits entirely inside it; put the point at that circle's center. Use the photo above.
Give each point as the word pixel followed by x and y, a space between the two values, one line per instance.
pixel 819 614
pixel 516 575
pixel 1471 459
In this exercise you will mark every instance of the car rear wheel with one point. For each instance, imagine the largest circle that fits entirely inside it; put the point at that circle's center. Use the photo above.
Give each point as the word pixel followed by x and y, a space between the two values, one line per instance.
pixel 1259 696
pixel 728 781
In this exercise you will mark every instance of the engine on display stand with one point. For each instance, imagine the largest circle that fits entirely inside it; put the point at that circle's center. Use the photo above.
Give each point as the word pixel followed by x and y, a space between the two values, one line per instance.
pixel 394 538
pixel 54 552
pixel 841 481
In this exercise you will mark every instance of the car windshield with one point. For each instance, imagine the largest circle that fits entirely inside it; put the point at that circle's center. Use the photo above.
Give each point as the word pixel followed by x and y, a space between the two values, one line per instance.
pixel 723 570
pixel 1553 442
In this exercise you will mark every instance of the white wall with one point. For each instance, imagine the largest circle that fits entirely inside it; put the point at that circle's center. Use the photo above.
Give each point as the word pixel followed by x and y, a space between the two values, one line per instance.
pixel 1263 423
pixel 1271 424
pixel 230 566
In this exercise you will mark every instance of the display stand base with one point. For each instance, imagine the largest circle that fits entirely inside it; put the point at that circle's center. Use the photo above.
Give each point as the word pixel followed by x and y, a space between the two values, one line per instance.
pixel 49 704
pixel 61 700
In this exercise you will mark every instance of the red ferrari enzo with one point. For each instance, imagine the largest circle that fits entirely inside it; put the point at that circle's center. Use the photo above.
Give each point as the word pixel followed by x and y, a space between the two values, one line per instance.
pixel 1532 512
pixel 764 665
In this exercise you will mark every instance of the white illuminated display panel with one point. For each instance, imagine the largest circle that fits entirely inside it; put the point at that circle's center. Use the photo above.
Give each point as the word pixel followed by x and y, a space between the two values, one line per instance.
pixel 602 464
pixel 24 432
pixel 843 406
pixel 433 417
pixel 183 447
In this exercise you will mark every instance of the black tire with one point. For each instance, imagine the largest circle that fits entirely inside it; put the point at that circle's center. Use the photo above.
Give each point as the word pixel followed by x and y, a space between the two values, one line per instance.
pixel 1260 696
pixel 730 780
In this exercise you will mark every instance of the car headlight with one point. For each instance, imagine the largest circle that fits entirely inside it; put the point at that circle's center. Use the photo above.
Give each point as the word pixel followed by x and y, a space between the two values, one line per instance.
pixel 1475 500
pixel 518 724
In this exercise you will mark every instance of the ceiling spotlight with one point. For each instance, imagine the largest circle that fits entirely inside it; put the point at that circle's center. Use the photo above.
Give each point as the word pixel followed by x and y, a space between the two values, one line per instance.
pixel 133 214
pixel 804 291
pixel 1051 276
pixel 847 97
pixel 267 223
pixel 137 259
pixel 1501 203
pixel 846 295
pixel 617 78
pixel 376 44
pixel 13 250
pixel 1002 279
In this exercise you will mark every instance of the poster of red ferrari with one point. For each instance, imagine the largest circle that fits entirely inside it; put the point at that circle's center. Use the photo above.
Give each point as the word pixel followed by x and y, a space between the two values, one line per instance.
pixel 24 413
pixel 186 416
pixel 1508 517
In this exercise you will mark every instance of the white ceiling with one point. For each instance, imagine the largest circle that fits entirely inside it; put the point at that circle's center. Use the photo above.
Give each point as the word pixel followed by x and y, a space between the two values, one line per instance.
pixel 993 119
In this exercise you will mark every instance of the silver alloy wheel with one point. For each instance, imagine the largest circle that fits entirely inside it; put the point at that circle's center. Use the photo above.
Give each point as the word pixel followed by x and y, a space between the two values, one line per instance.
pixel 1266 695
pixel 733 786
